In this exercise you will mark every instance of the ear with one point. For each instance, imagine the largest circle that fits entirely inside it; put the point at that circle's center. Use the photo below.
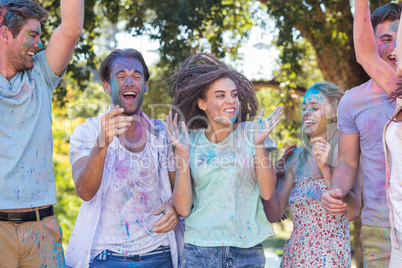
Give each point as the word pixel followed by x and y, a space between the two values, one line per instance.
pixel 106 87
pixel 201 104
pixel 4 34
pixel 146 86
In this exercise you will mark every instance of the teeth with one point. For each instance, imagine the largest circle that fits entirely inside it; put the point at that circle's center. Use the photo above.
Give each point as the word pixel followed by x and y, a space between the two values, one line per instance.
pixel 30 53
pixel 309 122
pixel 130 94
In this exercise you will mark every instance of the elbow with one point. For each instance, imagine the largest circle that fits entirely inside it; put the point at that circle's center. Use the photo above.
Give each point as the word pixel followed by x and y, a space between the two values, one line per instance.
pixel 182 212
pixel 84 194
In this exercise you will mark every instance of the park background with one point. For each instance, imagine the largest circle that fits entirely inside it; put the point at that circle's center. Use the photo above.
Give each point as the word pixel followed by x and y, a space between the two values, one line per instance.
pixel 282 46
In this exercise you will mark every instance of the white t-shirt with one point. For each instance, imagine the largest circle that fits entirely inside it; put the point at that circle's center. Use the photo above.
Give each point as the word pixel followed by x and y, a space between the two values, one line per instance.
pixel 126 220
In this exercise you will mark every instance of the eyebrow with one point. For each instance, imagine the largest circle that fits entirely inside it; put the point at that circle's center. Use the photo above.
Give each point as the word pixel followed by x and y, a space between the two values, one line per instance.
pixel 35 32
pixel 222 91
pixel 385 35
pixel 124 70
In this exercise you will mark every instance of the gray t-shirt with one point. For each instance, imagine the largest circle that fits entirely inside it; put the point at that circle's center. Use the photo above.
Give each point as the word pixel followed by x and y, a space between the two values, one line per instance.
pixel 365 110
pixel 26 141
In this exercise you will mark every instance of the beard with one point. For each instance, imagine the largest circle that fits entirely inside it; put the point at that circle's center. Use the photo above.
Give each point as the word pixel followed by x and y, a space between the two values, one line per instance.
pixel 18 61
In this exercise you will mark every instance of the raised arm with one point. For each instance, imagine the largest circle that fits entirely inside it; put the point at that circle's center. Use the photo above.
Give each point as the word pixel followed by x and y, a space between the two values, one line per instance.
pixel 264 168
pixel 64 38
pixel 182 198
pixel 366 42
pixel 399 52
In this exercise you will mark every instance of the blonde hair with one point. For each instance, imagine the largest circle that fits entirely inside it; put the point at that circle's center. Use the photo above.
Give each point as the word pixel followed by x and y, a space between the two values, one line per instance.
pixel 334 95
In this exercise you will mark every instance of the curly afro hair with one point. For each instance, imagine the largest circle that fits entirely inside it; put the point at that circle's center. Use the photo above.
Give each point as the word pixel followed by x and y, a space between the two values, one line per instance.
pixel 192 80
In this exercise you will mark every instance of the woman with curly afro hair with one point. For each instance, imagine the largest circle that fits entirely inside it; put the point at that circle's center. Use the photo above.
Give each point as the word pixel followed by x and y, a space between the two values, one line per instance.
pixel 223 168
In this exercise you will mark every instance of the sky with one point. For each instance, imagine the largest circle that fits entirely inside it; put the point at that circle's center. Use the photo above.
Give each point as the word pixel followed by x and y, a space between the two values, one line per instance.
pixel 259 56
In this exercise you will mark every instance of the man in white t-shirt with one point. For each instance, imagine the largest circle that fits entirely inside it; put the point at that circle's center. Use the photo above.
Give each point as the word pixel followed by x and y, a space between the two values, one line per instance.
pixel 123 169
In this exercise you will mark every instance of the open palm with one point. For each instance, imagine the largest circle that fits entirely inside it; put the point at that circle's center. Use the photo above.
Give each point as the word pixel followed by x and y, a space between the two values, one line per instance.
pixel 262 128
pixel 178 134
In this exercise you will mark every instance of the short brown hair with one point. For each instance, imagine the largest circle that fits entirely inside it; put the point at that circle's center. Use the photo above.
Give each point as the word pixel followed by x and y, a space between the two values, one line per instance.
pixel 15 13
pixel 388 12
pixel 128 53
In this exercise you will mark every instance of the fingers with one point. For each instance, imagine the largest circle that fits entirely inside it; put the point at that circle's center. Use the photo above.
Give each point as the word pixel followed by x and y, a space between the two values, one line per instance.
pixel 168 221
pixel 289 151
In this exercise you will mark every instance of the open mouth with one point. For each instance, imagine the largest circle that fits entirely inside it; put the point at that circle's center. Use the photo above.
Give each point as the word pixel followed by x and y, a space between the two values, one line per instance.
pixel 31 53
pixel 130 95
pixel 309 122
pixel 230 110
pixel 392 59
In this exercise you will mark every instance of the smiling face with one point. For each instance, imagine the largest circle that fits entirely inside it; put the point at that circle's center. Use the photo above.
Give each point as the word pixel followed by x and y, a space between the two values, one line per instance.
pixel 386 33
pixel 23 47
pixel 221 103
pixel 316 110
pixel 127 84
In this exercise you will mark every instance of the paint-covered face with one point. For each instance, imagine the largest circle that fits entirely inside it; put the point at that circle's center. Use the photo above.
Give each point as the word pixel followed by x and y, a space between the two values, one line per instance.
pixel 316 110
pixel 24 46
pixel 221 103
pixel 127 84
pixel 386 33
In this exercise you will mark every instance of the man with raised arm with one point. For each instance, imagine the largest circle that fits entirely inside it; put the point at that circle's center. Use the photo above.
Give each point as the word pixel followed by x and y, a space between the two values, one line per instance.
pixel 362 115
pixel 124 170
pixel 29 233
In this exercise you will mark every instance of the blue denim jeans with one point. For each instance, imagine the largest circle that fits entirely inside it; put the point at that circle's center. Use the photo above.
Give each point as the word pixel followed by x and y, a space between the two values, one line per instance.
pixel 225 257
pixel 160 260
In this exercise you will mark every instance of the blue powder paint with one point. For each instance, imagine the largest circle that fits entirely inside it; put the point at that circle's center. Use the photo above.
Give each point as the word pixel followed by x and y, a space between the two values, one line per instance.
pixel 128 232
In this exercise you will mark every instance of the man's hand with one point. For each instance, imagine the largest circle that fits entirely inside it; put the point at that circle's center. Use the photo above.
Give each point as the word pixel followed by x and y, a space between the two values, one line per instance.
pixel 331 200
pixel 113 124
pixel 168 221
pixel 280 171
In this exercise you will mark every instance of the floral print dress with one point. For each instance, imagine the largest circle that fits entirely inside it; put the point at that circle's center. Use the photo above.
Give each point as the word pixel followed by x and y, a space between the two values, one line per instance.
pixel 318 239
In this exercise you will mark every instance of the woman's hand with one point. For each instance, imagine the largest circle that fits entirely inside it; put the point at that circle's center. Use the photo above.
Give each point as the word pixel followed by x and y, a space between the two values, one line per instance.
pixel 321 152
pixel 264 127
pixel 178 134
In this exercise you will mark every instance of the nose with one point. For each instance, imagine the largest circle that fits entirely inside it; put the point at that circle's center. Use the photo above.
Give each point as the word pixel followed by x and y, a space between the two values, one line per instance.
pixel 129 81
pixel 39 44
pixel 393 52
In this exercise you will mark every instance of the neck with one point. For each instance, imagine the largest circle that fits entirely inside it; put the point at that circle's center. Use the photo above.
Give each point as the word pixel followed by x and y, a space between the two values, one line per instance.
pixel 135 136
pixel 5 70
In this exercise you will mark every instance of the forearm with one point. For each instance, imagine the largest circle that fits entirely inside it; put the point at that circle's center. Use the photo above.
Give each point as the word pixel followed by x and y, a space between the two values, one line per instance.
pixel 326 172
pixel 363 33
pixel 72 18
pixel 344 176
pixel 88 178
pixel 352 206
pixel 265 174
pixel 399 51
pixel 273 210
pixel 182 197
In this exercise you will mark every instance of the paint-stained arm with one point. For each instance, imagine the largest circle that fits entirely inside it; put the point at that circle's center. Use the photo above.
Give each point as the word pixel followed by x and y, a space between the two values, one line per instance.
pixel 365 43
pixel 399 51
pixel 344 175
pixel 275 207
pixel 182 197
pixel 64 38
pixel 88 170
pixel 265 173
